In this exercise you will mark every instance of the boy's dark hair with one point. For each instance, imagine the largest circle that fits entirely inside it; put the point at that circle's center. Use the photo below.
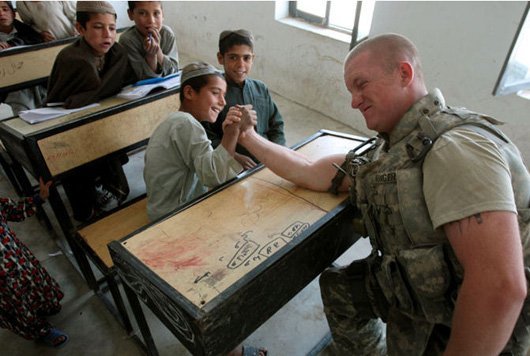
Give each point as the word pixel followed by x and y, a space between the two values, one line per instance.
pixel 83 17
pixel 197 75
pixel 132 4
pixel 10 5
pixel 228 39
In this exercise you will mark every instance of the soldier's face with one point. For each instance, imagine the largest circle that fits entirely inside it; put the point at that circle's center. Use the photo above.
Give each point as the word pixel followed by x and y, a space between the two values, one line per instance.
pixel 376 92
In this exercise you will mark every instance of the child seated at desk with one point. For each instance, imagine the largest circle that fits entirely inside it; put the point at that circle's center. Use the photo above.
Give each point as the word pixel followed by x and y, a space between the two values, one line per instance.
pixel 54 20
pixel 236 54
pixel 179 161
pixel 92 68
pixel 15 33
pixel 151 44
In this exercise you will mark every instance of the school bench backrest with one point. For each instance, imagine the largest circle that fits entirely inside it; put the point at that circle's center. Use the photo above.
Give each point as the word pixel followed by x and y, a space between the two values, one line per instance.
pixel 26 66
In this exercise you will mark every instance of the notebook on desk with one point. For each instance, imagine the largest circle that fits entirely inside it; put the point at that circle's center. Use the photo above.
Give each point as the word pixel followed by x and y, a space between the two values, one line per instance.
pixel 43 114
pixel 144 87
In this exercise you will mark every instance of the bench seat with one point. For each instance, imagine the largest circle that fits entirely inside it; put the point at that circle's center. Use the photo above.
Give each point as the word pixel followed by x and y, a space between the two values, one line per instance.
pixel 93 239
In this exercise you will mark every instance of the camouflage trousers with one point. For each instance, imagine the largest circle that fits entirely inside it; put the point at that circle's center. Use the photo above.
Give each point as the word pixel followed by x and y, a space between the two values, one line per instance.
pixel 355 332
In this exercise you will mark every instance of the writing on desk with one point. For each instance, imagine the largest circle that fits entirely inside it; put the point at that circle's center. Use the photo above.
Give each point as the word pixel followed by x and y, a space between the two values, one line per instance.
pixel 59 155
pixel 245 251
pixel 10 68
pixel 250 250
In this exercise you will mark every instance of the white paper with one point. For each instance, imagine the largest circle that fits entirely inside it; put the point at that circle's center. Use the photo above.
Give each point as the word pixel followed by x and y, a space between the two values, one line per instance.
pixel 136 92
pixel 42 114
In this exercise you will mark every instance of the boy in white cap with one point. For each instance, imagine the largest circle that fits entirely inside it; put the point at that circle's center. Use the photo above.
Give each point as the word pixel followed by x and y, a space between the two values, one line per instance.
pixel 90 69
pixel 94 66
pixel 180 162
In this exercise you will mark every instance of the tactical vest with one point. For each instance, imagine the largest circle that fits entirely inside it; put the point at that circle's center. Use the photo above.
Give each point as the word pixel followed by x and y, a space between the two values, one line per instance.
pixel 416 268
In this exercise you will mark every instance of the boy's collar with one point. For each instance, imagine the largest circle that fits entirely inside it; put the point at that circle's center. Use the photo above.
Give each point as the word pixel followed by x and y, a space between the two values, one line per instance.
pixel 234 84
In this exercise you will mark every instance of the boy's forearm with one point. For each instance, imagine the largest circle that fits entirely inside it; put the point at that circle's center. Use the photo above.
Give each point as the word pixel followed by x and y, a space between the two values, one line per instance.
pixel 229 142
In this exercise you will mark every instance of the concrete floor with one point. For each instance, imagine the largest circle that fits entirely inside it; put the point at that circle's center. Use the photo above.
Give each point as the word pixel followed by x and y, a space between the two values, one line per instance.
pixel 294 330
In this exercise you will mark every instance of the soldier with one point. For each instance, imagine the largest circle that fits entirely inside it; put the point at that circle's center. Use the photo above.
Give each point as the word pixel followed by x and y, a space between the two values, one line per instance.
pixel 444 197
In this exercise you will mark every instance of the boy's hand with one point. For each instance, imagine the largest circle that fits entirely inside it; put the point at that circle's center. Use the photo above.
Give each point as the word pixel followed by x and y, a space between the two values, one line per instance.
pixel 44 192
pixel 152 42
pixel 245 161
pixel 4 45
pixel 153 56
pixel 47 36
pixel 232 121
pixel 249 118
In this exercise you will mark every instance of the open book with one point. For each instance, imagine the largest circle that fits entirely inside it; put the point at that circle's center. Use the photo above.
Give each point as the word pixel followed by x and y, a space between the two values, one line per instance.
pixel 144 87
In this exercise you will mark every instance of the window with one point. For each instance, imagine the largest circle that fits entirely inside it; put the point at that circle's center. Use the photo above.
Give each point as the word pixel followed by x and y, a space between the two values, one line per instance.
pixel 515 73
pixel 351 17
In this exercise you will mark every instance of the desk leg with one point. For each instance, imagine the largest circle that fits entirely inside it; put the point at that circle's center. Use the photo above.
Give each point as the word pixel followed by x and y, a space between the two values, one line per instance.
pixel 118 301
pixel 140 319
pixel 10 173
pixel 68 229
pixel 27 190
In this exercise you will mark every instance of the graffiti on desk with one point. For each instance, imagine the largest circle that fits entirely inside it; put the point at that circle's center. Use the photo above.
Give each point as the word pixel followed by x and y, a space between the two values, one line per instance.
pixel 59 155
pixel 295 229
pixel 250 251
pixel 245 249
pixel 11 69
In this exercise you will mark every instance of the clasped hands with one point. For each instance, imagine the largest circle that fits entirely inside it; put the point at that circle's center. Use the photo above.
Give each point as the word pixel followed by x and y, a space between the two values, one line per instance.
pixel 240 119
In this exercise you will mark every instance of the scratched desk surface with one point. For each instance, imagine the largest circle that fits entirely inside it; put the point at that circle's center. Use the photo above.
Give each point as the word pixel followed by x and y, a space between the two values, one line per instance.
pixel 204 249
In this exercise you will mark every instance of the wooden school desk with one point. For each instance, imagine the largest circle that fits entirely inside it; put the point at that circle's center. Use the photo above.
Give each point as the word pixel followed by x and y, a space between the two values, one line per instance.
pixel 54 148
pixel 214 271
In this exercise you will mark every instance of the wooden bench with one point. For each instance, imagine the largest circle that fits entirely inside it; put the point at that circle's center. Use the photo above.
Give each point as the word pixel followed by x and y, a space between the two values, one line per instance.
pixel 93 239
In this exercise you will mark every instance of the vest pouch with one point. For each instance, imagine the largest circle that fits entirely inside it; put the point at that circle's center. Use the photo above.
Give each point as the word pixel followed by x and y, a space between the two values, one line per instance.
pixel 429 277
pixel 356 275
pixel 394 287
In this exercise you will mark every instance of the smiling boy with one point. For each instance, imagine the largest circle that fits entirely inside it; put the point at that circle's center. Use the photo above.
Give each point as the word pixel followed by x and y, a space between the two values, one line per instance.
pixel 151 45
pixel 180 163
pixel 236 54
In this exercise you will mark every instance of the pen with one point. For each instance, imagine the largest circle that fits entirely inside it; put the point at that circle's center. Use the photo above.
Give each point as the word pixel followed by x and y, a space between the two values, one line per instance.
pixel 149 36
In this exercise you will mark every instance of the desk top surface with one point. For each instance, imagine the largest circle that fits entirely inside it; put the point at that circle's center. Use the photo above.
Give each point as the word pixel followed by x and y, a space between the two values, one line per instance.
pixel 26 129
pixel 203 250
pixel 110 105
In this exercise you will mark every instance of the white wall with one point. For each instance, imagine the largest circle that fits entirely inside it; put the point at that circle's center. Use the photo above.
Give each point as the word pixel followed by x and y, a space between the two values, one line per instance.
pixel 463 45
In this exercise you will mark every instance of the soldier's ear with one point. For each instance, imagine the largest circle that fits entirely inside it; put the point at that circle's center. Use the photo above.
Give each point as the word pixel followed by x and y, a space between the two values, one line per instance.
pixel 406 72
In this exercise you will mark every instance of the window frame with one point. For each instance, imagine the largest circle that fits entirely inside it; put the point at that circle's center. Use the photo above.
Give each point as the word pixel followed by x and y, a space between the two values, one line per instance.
pixel 501 87
pixel 294 12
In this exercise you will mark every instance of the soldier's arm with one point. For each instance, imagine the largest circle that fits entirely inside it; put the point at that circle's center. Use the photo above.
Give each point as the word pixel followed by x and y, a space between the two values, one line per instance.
pixel 292 165
pixel 494 287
